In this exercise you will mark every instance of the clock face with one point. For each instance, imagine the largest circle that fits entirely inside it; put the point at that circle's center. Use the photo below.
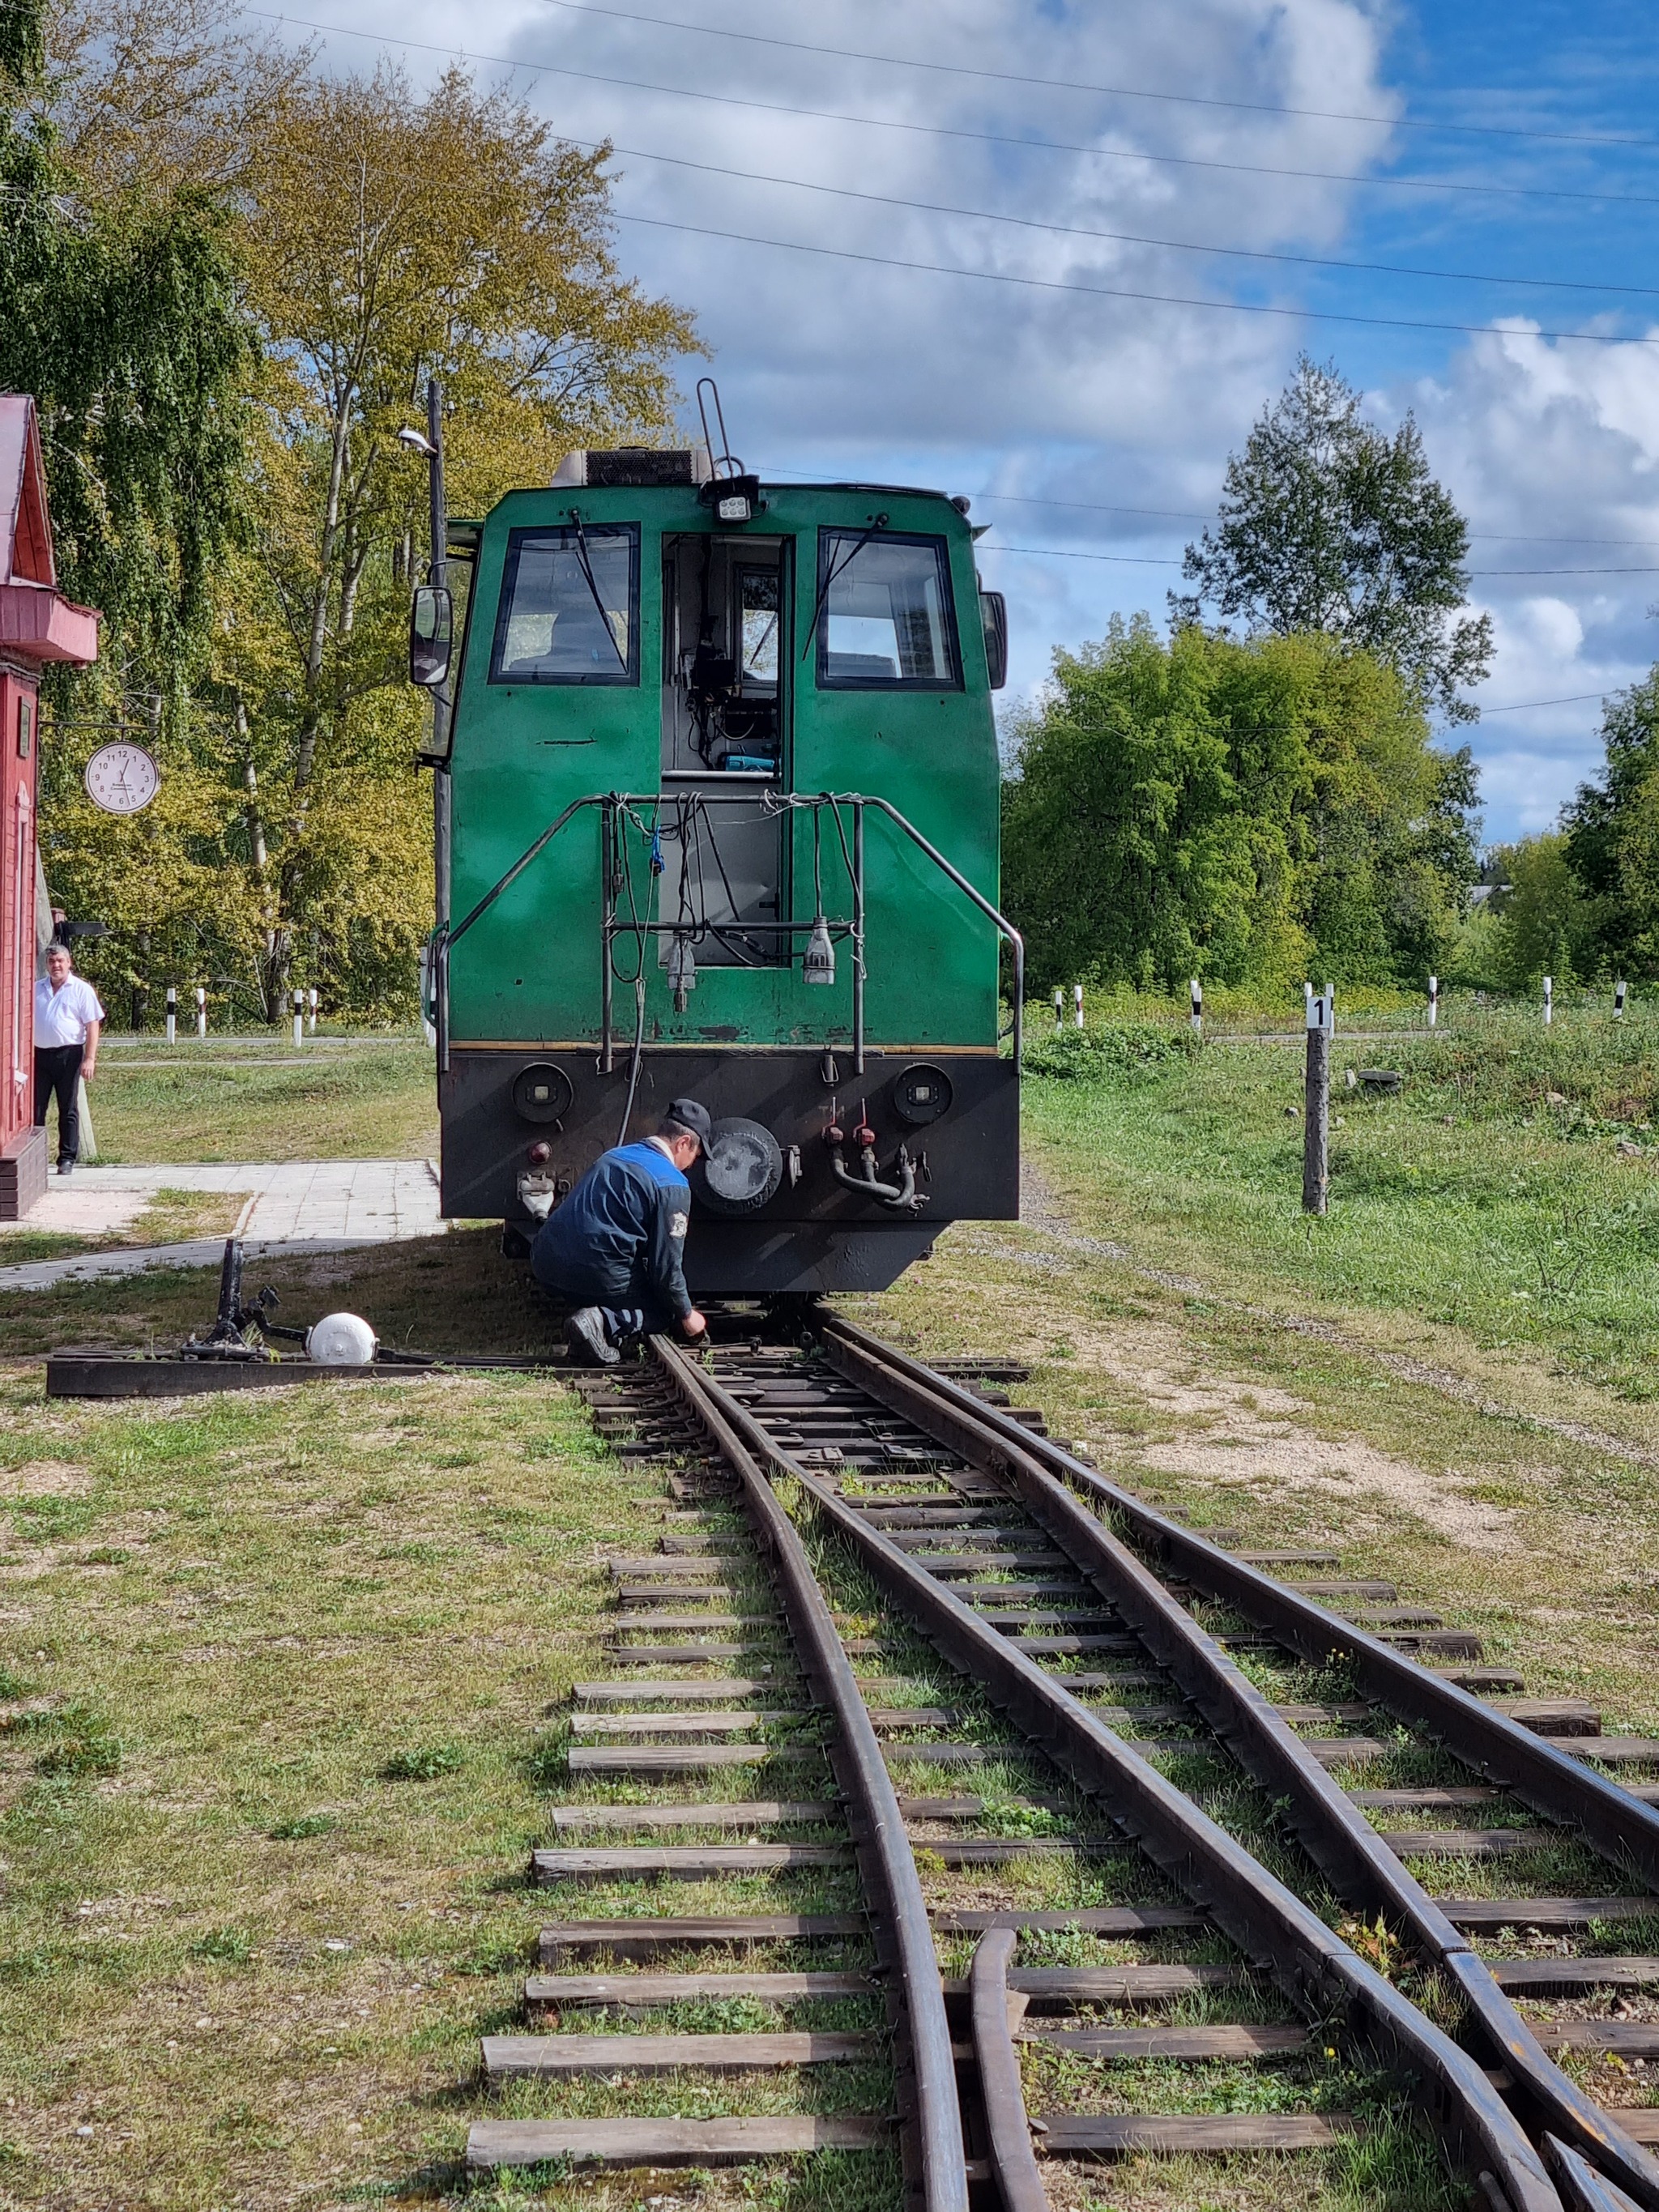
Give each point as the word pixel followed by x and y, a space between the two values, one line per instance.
pixel 121 779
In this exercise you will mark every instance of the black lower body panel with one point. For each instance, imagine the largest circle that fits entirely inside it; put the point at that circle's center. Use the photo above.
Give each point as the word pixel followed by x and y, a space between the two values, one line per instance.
pixel 812 1234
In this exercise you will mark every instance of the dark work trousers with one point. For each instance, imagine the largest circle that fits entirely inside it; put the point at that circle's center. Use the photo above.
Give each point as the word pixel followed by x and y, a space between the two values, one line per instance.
pixel 57 1071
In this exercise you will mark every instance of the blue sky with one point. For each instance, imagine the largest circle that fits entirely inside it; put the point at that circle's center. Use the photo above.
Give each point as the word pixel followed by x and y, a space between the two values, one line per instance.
pixel 1137 167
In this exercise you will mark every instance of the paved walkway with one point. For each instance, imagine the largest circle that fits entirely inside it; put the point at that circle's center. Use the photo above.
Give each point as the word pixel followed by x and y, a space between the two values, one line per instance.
pixel 295 1207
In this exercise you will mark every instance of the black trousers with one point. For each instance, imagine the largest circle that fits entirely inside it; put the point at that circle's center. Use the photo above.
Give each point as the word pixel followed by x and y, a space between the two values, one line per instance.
pixel 58 1074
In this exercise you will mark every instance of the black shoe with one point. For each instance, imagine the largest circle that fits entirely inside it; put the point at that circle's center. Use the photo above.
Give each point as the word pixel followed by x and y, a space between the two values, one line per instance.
pixel 66 1167
pixel 589 1345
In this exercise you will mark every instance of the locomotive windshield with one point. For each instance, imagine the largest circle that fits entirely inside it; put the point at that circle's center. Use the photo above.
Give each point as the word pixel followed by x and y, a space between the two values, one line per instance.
pixel 887 615
pixel 569 610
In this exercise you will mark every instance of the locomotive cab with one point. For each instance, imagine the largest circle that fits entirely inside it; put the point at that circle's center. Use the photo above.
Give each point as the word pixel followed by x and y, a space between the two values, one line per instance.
pixel 723 808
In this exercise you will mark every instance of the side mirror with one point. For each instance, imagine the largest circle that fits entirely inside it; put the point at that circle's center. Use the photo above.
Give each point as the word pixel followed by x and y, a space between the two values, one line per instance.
pixel 993 615
pixel 431 620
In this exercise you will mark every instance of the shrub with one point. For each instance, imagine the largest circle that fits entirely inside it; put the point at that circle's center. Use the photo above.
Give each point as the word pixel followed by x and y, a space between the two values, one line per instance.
pixel 1119 1050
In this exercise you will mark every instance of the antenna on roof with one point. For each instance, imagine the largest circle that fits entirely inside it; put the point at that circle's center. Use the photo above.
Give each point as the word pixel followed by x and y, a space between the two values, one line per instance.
pixel 726 462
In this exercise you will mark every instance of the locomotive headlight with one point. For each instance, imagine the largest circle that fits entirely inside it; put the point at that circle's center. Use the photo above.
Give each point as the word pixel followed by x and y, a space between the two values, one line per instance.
pixel 734 509
pixel 818 961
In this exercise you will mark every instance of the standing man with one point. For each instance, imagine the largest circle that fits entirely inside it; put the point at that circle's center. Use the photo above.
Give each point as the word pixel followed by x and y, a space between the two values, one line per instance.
pixel 615 1250
pixel 67 1022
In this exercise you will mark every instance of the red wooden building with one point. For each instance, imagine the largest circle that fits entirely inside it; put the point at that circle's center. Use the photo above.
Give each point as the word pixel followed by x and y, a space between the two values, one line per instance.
pixel 36 624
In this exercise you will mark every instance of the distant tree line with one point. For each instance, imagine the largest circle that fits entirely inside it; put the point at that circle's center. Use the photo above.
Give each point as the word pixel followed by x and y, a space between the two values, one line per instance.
pixel 227 277
pixel 1257 806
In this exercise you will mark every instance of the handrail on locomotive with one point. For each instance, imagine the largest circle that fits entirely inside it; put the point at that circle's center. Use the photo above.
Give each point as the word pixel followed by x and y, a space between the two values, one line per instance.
pixel 612 926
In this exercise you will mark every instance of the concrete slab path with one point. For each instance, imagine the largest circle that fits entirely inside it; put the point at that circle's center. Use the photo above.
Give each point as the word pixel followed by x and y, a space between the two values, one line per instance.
pixel 295 1207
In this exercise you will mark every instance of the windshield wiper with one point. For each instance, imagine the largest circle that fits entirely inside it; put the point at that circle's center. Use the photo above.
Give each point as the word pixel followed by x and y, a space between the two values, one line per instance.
pixel 587 571
pixel 834 575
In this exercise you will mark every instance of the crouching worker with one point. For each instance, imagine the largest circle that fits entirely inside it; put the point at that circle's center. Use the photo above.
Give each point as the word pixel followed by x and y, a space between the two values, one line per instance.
pixel 615 1251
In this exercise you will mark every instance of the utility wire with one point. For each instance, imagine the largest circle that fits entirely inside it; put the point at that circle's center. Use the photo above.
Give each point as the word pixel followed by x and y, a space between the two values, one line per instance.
pixel 1120 292
pixel 775 473
pixel 977 137
pixel 1108 91
pixel 1120 237
pixel 1166 561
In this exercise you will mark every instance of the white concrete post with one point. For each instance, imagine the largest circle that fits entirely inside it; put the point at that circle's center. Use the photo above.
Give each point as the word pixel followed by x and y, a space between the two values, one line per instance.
pixel 201 1011
pixel 1077 1002
pixel 1549 999
pixel 1059 1007
pixel 1619 990
pixel 311 1000
pixel 1198 1007
pixel 299 1017
pixel 1434 1001
pixel 173 1013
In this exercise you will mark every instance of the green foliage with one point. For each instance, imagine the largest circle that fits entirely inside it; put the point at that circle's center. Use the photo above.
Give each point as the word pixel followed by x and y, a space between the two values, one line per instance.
pixel 225 1946
pixel 1540 924
pixel 122 318
pixel 1232 810
pixel 1612 835
pixel 301 1826
pixel 1097 1054
pixel 425 1764
pixel 1326 523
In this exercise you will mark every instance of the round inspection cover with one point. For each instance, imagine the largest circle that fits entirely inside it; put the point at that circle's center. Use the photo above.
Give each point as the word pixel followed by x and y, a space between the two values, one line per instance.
pixel 921 1094
pixel 741 1168
pixel 541 1092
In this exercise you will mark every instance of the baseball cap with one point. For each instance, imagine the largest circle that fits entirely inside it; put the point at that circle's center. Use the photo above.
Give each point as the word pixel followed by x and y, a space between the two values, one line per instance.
pixel 692 1116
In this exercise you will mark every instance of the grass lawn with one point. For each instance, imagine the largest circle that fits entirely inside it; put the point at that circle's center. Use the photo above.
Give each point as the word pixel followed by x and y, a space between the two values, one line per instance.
pixel 373 1100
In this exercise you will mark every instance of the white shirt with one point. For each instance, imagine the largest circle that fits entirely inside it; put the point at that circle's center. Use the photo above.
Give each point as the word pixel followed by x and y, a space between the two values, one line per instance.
pixel 61 1017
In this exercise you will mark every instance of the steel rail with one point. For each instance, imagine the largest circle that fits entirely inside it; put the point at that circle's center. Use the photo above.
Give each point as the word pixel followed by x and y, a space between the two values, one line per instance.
pixel 1323 1975
pixel 903 1934
pixel 1019 2183
pixel 1332 1830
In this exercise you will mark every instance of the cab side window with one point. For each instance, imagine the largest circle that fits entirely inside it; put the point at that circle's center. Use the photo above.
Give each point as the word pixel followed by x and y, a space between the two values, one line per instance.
pixel 886 621
pixel 570 606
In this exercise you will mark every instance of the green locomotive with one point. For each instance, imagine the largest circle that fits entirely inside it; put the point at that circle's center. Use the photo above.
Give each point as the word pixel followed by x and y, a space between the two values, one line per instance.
pixel 722 820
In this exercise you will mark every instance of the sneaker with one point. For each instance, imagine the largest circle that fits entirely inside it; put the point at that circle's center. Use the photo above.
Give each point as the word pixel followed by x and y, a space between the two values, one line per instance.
pixel 585 1334
pixel 66 1167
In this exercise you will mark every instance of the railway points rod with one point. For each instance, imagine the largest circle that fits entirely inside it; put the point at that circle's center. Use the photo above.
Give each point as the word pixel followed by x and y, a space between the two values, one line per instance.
pixel 1321 1974
pixel 1334 1831
pixel 903 1935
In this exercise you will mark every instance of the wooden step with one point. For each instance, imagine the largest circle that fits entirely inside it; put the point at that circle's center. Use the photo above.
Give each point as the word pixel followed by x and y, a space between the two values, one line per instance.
pixel 1485 1915
pixel 1469 1843
pixel 1613 1750
pixel 1626 2038
pixel 1529 1978
pixel 718 1723
pixel 1226 2041
pixel 618 1693
pixel 1088 2134
pixel 509 2058
pixel 1481 1680
pixel 621 2144
pixel 1087 1920
pixel 1423 1801
pixel 639 1992
pixel 688 1567
pixel 653 1760
pixel 648 1939
pixel 683 1861
pixel 637 1620
pixel 1574 1717
pixel 714 1540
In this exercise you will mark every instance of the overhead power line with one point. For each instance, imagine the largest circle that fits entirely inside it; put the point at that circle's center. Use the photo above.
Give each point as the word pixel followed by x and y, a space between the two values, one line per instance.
pixel 1122 237
pixel 1167 561
pixel 976 137
pixel 777 472
pixel 1123 292
pixel 1108 91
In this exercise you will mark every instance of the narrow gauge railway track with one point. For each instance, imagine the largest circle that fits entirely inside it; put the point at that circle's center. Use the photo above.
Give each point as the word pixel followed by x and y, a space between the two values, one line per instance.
pixel 984 1536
